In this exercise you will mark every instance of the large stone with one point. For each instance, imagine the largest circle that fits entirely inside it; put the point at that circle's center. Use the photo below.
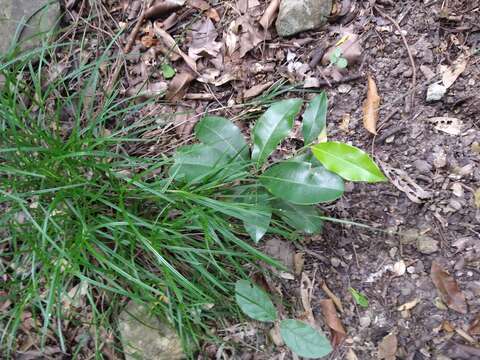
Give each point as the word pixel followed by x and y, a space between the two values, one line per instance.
pixel 145 337
pixel 30 18
pixel 300 15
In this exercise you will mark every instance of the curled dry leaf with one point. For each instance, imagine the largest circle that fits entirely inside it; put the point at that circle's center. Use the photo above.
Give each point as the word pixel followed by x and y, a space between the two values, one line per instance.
pixel 408 305
pixel 405 183
pixel 270 14
pixel 179 85
pixel 306 291
pixel 451 73
pixel 172 46
pixel 371 107
pixel 203 43
pixel 474 328
pixel 387 349
pixel 256 90
pixel 448 289
pixel 331 319
pixel 249 34
pixel 449 125
pixel 332 296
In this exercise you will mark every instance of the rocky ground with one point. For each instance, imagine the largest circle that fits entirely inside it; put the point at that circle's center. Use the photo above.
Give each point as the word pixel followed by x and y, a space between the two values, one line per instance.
pixel 419 262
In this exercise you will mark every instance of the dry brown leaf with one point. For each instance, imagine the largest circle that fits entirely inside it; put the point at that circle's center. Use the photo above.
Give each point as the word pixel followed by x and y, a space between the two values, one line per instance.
pixel 448 289
pixel 256 90
pixel 405 183
pixel 449 125
pixel 333 322
pixel 371 107
pixel 199 4
pixel 148 41
pixel 387 348
pixel 474 328
pixel 298 262
pixel 270 14
pixel 408 305
pixel 476 196
pixel 213 14
pixel 332 297
pixel 203 40
pixel 350 355
pixel 160 9
pixel 250 36
pixel 148 90
pixel 451 73
pixel 306 291
pixel 171 44
pixel 179 86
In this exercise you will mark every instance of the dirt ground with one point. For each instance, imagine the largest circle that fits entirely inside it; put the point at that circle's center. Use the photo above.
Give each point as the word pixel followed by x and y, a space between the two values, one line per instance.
pixel 426 212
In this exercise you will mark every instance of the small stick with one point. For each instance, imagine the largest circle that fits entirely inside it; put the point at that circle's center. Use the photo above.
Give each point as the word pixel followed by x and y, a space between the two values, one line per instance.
pixel 410 100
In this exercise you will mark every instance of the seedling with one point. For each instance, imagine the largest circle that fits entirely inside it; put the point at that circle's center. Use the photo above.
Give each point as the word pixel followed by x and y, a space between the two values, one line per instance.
pixel 337 59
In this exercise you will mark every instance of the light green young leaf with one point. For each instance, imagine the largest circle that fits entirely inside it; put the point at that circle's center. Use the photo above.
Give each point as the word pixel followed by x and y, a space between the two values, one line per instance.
pixel 302 184
pixel 304 218
pixel 260 222
pixel 254 302
pixel 194 162
pixel 315 118
pixel 304 340
pixel 223 135
pixel 359 298
pixel 272 127
pixel 348 161
pixel 342 63
pixel 168 71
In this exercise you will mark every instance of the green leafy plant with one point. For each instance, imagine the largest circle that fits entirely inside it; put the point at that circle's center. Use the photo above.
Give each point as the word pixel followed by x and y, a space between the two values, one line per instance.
pixel 287 189
pixel 337 59
pixel 300 337
pixel 359 298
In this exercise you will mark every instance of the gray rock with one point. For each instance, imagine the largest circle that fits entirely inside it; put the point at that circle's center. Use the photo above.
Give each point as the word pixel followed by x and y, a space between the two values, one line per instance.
pixel 427 245
pixel 145 337
pixel 296 16
pixel 435 92
pixel 40 16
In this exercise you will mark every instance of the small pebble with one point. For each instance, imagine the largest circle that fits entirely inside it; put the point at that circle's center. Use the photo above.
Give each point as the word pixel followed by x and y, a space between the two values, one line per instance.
pixel 335 262
pixel 435 92
pixel 411 269
pixel 365 321
pixel 427 245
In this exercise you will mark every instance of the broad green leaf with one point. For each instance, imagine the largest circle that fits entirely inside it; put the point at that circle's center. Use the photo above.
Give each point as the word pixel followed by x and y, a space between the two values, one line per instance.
pixel 348 161
pixel 302 184
pixel 254 302
pixel 304 340
pixel 359 298
pixel 223 135
pixel 194 162
pixel 261 213
pixel 308 157
pixel 272 127
pixel 168 71
pixel 304 218
pixel 315 118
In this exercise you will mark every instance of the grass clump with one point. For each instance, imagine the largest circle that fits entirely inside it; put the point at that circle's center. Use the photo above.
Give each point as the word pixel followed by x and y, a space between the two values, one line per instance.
pixel 78 209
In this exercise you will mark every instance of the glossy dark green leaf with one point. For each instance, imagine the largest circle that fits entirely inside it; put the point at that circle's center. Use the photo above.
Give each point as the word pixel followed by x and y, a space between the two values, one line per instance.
pixel 347 161
pixel 302 184
pixel 304 218
pixel 258 226
pixel 194 162
pixel 315 118
pixel 359 298
pixel 254 302
pixel 223 135
pixel 304 340
pixel 272 127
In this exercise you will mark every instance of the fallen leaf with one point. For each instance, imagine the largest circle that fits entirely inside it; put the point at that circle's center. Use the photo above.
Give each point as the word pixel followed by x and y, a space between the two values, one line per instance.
pixel 148 41
pixel 464 335
pixel 213 14
pixel 148 90
pixel 451 73
pixel 256 90
pixel 203 40
pixel 387 348
pixel 399 268
pixel 178 86
pixel 351 355
pixel 447 326
pixel 199 4
pixel 449 125
pixel 306 291
pixel 298 262
pixel 332 296
pixel 405 183
pixel 474 328
pixel 371 107
pixel 408 305
pixel 333 322
pixel 172 46
pixel 270 14
pixel 448 289
pixel 349 46
pixel 477 198
pixel 249 35
pixel 160 9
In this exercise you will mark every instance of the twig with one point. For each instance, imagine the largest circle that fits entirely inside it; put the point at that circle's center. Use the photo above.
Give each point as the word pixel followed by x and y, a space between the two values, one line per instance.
pixel 410 100
pixel 343 80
